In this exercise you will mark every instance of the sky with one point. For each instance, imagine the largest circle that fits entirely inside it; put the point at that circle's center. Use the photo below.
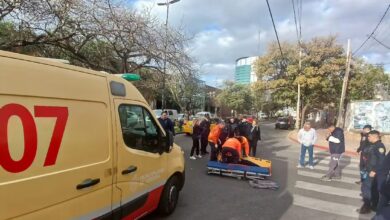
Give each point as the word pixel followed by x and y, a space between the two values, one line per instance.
pixel 224 30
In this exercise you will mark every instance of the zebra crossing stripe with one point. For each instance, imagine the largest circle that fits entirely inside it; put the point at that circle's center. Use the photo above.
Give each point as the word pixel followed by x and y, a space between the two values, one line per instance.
pixel 354 194
pixel 329 207
pixel 342 163
pixel 343 159
pixel 319 175
pixel 344 170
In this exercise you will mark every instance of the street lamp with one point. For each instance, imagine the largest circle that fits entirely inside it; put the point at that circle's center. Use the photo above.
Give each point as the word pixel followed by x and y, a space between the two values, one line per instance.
pixel 167 3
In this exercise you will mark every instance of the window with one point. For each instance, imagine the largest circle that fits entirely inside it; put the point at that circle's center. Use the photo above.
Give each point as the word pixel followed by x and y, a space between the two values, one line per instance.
pixel 139 128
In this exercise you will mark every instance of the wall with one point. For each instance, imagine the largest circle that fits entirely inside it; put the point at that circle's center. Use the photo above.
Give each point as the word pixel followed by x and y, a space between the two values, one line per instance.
pixel 374 113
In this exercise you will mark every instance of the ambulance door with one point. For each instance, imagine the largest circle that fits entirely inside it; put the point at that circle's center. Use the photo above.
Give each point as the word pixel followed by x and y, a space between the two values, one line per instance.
pixel 140 162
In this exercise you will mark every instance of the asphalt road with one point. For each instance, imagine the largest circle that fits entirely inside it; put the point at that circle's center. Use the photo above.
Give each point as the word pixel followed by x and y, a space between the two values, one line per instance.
pixel 301 194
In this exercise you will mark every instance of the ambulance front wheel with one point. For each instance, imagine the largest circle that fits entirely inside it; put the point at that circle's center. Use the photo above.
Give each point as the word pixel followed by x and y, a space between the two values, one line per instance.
pixel 169 197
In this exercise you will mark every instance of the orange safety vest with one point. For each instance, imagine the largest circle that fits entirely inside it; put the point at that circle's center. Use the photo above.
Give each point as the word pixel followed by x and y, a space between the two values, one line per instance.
pixel 237 145
pixel 215 133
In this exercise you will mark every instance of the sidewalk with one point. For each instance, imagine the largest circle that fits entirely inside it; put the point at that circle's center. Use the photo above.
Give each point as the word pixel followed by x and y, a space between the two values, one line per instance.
pixel 352 141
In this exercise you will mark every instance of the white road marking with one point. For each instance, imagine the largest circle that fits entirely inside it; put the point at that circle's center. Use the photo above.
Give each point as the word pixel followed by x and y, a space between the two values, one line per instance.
pixel 343 171
pixel 355 194
pixel 319 175
pixel 342 163
pixel 329 207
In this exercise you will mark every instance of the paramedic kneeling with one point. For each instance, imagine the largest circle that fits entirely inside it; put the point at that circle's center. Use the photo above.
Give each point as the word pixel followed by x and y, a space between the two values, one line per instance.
pixel 232 149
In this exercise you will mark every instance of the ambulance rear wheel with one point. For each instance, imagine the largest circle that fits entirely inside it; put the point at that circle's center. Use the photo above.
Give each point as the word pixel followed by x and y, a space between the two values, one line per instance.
pixel 169 197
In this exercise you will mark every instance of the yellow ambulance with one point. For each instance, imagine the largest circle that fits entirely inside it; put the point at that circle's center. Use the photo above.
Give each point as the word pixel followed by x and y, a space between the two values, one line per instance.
pixel 80 144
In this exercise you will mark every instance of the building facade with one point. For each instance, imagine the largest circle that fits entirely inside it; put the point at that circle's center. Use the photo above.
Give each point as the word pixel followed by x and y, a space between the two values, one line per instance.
pixel 244 72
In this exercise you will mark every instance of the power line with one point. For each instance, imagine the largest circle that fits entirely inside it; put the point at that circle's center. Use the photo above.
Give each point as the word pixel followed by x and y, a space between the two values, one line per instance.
pixel 276 33
pixel 381 43
pixel 372 33
pixel 295 19
pixel 300 18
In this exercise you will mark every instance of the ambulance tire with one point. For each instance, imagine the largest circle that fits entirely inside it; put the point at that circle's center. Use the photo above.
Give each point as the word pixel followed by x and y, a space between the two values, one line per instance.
pixel 169 197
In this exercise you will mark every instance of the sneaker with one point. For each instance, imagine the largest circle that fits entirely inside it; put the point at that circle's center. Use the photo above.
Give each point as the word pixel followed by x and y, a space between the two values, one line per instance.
pixel 300 166
pixel 326 178
pixel 193 158
pixel 336 177
pixel 311 167
pixel 199 156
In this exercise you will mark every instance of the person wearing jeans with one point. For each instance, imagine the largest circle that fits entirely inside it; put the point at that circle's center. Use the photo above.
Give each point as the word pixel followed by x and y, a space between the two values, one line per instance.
pixel 307 137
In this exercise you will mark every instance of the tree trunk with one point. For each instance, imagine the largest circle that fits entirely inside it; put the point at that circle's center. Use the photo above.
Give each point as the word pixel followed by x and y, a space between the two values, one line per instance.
pixel 303 115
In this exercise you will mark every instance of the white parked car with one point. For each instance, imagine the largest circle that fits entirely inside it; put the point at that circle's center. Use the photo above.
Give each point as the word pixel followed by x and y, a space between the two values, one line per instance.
pixel 172 113
pixel 202 114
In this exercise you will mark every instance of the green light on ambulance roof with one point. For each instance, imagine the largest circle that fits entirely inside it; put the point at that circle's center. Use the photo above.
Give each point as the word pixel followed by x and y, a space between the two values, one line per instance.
pixel 131 77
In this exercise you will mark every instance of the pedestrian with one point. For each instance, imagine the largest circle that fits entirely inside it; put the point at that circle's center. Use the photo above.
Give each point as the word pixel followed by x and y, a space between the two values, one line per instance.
pixel 245 128
pixel 167 125
pixel 205 124
pixel 254 136
pixel 234 149
pixel 363 143
pixel 213 139
pixel 231 126
pixel 373 156
pixel 196 135
pixel 307 136
pixel 223 137
pixel 383 177
pixel 336 149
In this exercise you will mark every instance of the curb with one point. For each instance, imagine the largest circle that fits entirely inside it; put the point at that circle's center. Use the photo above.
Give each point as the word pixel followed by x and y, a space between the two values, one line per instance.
pixel 349 153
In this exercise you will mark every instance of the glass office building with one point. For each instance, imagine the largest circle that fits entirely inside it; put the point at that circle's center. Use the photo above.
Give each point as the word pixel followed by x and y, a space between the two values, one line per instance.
pixel 244 72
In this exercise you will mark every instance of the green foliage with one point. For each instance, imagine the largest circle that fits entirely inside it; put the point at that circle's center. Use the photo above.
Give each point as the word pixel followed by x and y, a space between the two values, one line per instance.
pixel 323 63
pixel 236 96
pixel 364 81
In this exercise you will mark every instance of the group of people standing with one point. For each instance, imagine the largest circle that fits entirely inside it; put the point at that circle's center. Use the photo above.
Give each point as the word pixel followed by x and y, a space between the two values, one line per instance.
pixel 374 174
pixel 244 130
pixel 374 165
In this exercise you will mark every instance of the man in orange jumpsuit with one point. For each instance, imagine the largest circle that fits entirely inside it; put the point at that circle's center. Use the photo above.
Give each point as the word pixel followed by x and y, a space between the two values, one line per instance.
pixel 213 140
pixel 232 149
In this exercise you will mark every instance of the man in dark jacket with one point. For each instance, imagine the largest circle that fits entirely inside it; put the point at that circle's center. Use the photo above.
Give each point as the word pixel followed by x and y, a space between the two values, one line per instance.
pixel 372 158
pixel 245 128
pixel 336 149
pixel 254 136
pixel 167 124
pixel 231 126
pixel 383 176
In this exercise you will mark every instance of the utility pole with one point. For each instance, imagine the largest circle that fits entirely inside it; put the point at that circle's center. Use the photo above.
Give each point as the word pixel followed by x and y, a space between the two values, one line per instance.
pixel 167 3
pixel 298 121
pixel 340 118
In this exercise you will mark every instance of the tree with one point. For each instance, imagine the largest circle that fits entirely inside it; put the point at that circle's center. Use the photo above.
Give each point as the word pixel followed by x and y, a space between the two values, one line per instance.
pixel 236 96
pixel 184 89
pixel 97 34
pixel 364 80
pixel 320 78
